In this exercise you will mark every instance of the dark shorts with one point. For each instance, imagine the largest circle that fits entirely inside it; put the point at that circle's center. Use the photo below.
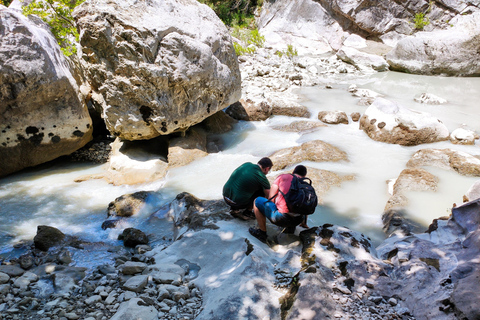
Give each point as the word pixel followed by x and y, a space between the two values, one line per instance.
pixel 269 210
pixel 249 205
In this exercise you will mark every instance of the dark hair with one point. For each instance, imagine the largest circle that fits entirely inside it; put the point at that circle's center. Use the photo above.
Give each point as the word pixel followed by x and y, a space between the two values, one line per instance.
pixel 265 162
pixel 300 170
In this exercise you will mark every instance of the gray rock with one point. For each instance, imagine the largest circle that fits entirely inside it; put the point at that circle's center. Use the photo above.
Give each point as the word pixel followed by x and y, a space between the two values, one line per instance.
pixel 361 60
pixel 131 267
pixel 11 270
pixel 42 115
pixel 4 278
pixel 136 283
pixel 48 237
pixel 386 121
pixel 451 52
pixel 183 69
pixel 132 237
pixel 134 309
pixel 93 299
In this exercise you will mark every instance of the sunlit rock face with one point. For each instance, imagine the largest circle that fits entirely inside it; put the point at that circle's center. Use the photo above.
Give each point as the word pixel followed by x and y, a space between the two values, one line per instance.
pixel 453 51
pixel 389 122
pixel 156 67
pixel 41 114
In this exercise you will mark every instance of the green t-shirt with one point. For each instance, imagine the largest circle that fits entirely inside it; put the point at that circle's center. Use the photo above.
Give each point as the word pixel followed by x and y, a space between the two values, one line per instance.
pixel 244 182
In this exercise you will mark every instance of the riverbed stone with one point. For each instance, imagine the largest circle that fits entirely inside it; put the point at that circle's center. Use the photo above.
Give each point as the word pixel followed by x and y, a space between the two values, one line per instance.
pixel 411 179
pixel 132 237
pixel 315 150
pixel 429 98
pixel 463 136
pixel 187 148
pixel 48 237
pixel 302 126
pixel 448 159
pixel 183 69
pixel 136 283
pixel 333 117
pixel 131 267
pixel 128 205
pixel 389 122
pixel 250 110
pixel 11 270
pixel 4 278
pixel 363 61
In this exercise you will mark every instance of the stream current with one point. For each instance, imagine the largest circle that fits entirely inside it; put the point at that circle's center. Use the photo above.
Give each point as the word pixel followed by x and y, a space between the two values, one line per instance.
pixel 48 195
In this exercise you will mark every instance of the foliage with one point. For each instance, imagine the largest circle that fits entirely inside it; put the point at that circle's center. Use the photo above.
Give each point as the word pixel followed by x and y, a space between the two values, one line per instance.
pixel 6 3
pixel 252 38
pixel 290 52
pixel 58 14
pixel 240 50
pixel 234 12
pixel 420 21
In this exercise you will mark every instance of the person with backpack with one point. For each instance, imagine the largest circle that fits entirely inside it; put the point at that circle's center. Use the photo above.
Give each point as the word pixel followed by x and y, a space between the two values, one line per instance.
pixel 246 183
pixel 292 197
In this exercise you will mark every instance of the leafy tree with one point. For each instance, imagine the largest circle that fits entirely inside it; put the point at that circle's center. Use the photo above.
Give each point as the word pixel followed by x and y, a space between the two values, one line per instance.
pixel 6 3
pixel 234 12
pixel 58 15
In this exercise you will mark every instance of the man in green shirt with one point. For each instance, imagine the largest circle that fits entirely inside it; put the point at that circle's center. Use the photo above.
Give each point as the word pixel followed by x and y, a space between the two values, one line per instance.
pixel 245 184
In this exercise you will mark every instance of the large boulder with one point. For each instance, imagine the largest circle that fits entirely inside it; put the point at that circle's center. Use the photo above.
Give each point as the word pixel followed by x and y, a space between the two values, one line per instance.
pixel 324 25
pixel 387 121
pixel 451 52
pixel 41 114
pixel 316 31
pixel 158 66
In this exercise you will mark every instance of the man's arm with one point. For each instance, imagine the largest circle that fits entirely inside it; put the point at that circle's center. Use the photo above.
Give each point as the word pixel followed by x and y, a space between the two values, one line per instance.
pixel 272 191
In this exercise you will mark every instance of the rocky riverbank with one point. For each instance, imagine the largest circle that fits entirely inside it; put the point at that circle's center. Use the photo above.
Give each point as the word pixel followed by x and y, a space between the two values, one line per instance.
pixel 213 269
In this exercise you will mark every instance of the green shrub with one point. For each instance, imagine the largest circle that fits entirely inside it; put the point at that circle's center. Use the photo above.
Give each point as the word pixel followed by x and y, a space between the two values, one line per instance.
pixel 420 21
pixel 256 38
pixel 290 52
pixel 6 3
pixel 240 50
pixel 234 12
pixel 250 37
pixel 58 14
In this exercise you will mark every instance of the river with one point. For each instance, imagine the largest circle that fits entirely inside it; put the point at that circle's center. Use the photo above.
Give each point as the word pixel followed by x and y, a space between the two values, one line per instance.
pixel 48 194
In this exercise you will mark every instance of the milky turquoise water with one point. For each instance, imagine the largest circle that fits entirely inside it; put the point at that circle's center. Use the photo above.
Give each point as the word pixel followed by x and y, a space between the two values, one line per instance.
pixel 48 194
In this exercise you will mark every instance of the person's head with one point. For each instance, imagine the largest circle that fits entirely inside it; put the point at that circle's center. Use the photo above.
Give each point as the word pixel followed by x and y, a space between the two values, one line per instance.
pixel 300 170
pixel 265 164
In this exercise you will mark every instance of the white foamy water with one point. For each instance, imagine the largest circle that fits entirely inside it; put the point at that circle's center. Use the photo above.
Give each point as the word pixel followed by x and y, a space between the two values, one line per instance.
pixel 49 195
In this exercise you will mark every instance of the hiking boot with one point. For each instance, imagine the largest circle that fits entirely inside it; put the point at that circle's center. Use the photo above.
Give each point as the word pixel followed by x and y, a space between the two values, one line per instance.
pixel 259 234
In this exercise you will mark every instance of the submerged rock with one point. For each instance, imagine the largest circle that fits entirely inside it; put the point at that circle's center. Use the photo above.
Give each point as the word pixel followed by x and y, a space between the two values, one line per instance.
pixel 301 126
pixel 448 159
pixel 48 237
pixel 389 122
pixel 333 117
pixel 315 150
